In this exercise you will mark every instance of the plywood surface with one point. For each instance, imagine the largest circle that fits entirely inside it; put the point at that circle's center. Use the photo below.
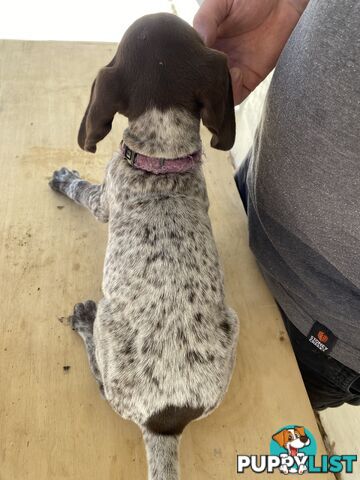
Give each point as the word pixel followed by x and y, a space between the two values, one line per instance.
pixel 53 423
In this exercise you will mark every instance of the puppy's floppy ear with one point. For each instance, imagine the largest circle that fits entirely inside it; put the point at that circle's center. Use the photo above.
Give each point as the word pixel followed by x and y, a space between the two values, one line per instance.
pixel 280 437
pixel 217 103
pixel 105 101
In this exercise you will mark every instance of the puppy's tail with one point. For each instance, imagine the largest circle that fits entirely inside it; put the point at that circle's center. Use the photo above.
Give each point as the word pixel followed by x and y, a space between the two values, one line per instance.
pixel 162 436
pixel 162 456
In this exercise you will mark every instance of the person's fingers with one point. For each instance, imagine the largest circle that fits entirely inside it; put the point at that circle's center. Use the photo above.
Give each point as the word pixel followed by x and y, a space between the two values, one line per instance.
pixel 237 84
pixel 207 19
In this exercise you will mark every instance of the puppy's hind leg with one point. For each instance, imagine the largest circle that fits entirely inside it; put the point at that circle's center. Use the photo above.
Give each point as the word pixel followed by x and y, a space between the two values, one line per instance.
pixel 82 321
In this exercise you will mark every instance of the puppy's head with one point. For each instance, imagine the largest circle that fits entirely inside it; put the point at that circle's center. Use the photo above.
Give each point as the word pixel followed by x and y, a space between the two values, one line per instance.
pixel 162 63
pixel 294 437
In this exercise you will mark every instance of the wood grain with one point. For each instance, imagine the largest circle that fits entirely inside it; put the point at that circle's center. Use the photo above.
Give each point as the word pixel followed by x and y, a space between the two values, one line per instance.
pixel 53 423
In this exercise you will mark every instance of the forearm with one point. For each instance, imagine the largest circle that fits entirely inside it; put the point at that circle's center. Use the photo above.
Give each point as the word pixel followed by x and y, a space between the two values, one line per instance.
pixel 89 196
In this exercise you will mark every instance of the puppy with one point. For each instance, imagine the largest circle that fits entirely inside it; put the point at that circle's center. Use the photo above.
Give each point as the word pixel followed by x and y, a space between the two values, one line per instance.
pixel 162 342
pixel 292 439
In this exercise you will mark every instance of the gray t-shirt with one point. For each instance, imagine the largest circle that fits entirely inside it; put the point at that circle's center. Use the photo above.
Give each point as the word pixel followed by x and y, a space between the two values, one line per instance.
pixel 304 177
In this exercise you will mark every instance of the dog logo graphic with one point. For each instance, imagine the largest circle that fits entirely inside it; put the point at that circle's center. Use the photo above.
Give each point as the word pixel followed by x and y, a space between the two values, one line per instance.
pixel 292 440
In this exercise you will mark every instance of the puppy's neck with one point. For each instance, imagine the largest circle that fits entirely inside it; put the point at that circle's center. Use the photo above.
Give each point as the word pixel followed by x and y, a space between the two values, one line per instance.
pixel 170 134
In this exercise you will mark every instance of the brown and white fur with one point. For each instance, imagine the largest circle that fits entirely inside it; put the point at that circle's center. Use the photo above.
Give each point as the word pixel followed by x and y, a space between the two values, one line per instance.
pixel 162 342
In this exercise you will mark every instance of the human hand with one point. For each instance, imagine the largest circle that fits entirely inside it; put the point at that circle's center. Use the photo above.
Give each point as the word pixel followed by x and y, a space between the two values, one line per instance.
pixel 252 33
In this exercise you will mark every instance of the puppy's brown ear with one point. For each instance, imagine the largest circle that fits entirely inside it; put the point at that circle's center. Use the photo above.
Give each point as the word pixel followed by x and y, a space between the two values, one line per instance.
pixel 217 103
pixel 280 437
pixel 105 101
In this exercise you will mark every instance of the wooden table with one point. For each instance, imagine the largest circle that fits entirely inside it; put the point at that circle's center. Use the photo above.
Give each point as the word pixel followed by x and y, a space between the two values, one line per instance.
pixel 53 423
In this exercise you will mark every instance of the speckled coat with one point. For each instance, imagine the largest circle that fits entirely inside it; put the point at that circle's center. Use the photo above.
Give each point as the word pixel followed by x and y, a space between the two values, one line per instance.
pixel 161 342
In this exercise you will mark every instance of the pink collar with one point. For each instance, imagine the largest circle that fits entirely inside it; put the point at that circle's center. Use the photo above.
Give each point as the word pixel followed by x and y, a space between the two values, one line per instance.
pixel 161 165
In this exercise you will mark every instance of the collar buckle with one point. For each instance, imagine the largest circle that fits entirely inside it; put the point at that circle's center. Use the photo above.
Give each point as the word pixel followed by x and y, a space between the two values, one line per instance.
pixel 129 154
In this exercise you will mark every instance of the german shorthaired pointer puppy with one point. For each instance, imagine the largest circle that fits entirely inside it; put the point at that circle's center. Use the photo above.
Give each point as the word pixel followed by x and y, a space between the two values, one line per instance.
pixel 162 342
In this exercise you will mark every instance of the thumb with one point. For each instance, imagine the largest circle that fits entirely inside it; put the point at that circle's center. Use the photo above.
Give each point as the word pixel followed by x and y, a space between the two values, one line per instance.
pixel 208 18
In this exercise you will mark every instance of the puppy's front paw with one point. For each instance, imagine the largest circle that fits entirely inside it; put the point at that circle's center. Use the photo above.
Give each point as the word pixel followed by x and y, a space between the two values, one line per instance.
pixel 62 178
pixel 82 320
